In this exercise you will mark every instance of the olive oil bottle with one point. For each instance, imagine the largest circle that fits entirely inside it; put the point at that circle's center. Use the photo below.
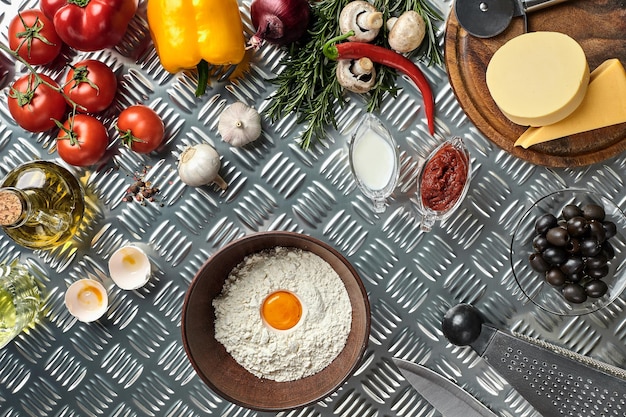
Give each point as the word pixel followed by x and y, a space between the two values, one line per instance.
pixel 41 205
pixel 20 301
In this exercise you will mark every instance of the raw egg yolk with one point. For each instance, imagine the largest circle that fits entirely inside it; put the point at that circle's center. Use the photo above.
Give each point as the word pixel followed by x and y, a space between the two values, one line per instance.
pixel 130 261
pixel 281 310
pixel 90 297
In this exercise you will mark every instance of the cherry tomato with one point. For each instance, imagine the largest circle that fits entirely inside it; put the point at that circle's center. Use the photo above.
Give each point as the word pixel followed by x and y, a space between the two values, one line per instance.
pixel 35 105
pixel 34 38
pixel 141 128
pixel 91 84
pixel 82 141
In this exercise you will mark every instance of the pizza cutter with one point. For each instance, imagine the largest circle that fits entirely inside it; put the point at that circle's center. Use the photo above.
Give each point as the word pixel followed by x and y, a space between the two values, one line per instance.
pixel 487 18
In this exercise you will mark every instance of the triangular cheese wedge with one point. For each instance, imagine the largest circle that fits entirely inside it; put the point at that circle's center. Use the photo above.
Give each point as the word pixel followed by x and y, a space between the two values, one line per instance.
pixel 604 105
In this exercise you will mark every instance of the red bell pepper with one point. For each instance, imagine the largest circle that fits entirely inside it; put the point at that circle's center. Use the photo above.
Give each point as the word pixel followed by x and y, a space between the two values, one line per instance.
pixel 90 25
pixel 387 57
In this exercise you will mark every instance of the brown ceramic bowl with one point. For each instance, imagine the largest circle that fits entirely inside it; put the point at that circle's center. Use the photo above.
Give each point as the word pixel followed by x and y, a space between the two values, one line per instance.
pixel 229 379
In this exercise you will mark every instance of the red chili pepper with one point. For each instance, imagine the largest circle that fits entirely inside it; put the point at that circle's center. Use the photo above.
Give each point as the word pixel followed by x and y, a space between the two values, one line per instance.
pixel 387 57
pixel 90 25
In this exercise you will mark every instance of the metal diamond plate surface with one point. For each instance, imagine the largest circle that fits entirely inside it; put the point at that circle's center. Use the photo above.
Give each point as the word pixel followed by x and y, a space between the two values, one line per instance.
pixel 131 363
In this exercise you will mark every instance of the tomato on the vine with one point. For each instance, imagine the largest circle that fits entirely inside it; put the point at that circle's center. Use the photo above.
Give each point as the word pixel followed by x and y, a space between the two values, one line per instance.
pixel 90 25
pixel 33 37
pixel 141 128
pixel 90 84
pixel 82 140
pixel 35 102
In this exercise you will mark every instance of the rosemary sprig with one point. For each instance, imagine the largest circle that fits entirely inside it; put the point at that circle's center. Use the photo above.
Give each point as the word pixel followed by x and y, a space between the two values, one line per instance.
pixel 307 84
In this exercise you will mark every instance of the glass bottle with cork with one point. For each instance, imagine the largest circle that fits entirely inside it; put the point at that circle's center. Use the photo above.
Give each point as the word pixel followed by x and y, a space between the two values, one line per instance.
pixel 41 205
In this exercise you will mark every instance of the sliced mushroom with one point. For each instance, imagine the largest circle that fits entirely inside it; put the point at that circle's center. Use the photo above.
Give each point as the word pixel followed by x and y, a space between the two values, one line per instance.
pixel 406 32
pixel 358 76
pixel 362 18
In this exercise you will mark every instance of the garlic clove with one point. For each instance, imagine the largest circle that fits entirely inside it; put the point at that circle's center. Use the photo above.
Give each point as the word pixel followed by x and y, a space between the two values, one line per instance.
pixel 239 124
pixel 199 165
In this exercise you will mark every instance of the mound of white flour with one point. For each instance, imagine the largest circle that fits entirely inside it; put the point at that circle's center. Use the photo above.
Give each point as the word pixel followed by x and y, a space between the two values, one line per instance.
pixel 301 351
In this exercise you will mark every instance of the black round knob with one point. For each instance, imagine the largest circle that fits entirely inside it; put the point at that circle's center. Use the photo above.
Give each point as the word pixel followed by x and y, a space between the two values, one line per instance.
pixel 462 324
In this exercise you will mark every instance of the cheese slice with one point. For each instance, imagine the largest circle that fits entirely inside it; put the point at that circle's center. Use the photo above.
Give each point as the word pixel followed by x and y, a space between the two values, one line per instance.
pixel 603 105
pixel 538 78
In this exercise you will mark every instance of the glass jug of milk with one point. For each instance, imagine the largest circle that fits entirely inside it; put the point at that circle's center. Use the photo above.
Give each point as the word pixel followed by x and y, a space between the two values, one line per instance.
pixel 374 160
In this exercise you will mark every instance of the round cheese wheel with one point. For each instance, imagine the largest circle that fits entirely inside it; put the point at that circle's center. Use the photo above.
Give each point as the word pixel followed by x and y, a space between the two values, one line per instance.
pixel 538 78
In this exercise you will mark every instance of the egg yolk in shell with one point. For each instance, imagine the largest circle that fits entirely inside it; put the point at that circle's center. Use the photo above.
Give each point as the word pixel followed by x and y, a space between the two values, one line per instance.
pixel 90 297
pixel 131 262
pixel 281 310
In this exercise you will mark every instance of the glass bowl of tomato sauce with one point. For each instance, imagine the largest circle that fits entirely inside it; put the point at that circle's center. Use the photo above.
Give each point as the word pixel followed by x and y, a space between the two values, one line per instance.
pixel 443 181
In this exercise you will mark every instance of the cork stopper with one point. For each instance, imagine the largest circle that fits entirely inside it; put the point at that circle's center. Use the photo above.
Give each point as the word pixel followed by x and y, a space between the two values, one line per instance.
pixel 11 208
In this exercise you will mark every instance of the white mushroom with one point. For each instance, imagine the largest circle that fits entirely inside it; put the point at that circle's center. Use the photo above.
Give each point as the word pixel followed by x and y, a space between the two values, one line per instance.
pixel 406 32
pixel 239 124
pixel 362 18
pixel 358 76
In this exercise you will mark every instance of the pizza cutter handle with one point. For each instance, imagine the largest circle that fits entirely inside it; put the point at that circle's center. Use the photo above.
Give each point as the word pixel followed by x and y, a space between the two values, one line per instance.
pixel 532 5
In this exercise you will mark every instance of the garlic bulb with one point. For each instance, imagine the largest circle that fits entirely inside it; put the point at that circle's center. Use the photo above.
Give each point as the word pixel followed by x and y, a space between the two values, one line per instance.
pixel 239 124
pixel 199 165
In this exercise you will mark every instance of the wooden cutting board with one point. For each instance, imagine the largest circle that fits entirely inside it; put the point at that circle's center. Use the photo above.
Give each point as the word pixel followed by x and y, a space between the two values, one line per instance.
pixel 598 25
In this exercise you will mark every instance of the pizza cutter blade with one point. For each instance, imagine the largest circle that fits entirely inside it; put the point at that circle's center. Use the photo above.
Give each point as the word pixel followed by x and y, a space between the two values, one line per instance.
pixel 487 18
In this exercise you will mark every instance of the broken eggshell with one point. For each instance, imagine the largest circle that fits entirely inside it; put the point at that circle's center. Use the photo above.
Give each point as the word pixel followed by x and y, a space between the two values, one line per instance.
pixel 129 267
pixel 87 300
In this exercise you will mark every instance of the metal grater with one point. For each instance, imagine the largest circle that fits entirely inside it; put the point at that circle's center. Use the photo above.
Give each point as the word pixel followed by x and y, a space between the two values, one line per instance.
pixel 554 380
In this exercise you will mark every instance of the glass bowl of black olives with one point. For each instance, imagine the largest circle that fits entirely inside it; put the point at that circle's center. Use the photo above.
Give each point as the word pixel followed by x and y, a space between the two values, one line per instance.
pixel 567 252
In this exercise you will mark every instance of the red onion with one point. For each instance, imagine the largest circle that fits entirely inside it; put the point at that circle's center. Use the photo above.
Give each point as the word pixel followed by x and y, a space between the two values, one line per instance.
pixel 280 22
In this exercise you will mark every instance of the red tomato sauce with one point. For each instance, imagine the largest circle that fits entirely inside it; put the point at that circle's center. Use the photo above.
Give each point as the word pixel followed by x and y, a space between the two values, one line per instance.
pixel 444 178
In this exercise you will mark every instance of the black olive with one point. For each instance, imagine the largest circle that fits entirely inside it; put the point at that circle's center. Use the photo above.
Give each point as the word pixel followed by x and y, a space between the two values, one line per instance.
pixel 573 252
pixel 540 243
pixel 555 277
pixel 573 265
pixel 595 262
pixel 538 263
pixel 596 288
pixel 590 247
pixel 593 212
pixel 570 211
pixel 597 273
pixel 596 230
pixel 554 255
pixel 577 226
pixel 557 236
pixel 607 250
pixel 545 222
pixel 576 277
pixel 573 246
pixel 610 229
pixel 574 293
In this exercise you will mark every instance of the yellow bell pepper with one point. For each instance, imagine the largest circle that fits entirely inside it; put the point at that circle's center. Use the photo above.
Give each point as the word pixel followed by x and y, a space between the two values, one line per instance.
pixel 192 33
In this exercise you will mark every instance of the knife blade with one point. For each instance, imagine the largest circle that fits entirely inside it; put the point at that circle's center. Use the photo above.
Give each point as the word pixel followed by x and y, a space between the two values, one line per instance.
pixel 447 397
